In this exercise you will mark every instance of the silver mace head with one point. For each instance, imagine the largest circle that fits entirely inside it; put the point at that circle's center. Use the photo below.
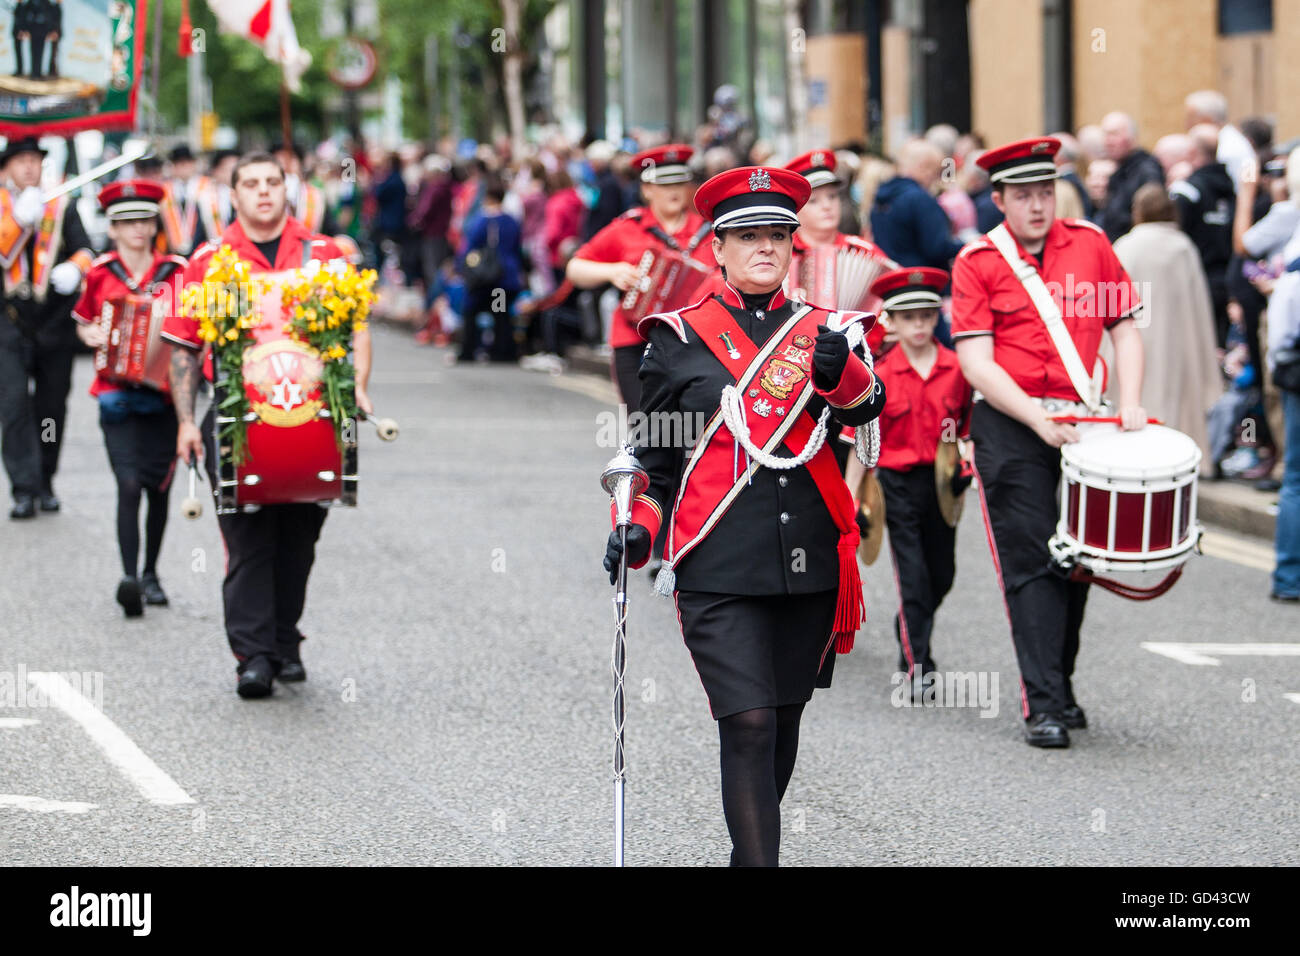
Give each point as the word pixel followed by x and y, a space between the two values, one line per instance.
pixel 624 479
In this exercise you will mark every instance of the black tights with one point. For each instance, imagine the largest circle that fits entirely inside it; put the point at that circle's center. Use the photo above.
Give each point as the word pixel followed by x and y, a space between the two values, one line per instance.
pixel 758 752
pixel 128 525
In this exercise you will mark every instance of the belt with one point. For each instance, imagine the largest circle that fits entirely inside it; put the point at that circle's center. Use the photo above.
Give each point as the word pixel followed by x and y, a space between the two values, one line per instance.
pixel 1061 406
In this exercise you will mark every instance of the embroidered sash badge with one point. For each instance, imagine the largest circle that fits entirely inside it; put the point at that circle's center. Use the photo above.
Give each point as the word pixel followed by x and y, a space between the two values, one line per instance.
pixel 780 378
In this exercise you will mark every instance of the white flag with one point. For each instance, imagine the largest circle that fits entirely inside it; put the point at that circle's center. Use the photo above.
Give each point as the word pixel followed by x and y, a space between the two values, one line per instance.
pixel 268 24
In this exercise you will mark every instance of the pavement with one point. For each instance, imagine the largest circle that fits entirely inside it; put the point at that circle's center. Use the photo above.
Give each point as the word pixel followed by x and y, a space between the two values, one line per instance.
pixel 457 709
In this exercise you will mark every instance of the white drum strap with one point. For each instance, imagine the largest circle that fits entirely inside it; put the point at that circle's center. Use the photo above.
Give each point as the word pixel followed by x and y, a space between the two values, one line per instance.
pixel 1089 389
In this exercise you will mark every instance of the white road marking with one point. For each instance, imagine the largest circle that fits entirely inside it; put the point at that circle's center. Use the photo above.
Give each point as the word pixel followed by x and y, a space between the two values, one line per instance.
pixel 591 386
pixel 1207 655
pixel 13 723
pixel 41 805
pixel 134 763
pixel 1294 698
pixel 1243 551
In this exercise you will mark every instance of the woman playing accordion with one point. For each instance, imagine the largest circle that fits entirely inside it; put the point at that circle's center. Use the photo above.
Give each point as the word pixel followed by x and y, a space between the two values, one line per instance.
pixel 126 297
pixel 657 255
pixel 762 538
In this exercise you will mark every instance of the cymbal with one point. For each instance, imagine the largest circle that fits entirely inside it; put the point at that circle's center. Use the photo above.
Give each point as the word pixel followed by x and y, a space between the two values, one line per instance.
pixel 871 505
pixel 947 462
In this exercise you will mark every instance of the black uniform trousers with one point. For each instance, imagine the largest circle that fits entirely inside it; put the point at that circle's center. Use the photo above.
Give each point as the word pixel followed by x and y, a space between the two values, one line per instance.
pixel 922 546
pixel 269 555
pixel 1020 477
pixel 31 418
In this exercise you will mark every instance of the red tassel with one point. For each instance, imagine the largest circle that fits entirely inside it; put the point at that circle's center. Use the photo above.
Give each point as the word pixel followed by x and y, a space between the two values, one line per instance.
pixel 186 46
pixel 850 609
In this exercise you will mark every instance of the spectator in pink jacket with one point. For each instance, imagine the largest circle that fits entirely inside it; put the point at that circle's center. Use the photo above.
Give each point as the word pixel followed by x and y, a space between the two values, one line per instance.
pixel 564 214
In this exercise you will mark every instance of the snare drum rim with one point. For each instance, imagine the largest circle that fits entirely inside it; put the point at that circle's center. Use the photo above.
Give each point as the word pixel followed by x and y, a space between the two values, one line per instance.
pixel 1069 550
pixel 1071 456
pixel 1081 475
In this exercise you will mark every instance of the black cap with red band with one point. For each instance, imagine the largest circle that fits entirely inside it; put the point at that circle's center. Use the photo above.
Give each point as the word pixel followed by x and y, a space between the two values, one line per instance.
pixel 1024 161
pixel 917 287
pixel 753 196
pixel 131 199
pixel 664 165
pixel 818 167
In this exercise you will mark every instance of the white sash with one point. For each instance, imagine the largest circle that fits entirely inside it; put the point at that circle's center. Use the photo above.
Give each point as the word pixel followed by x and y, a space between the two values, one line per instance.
pixel 1088 389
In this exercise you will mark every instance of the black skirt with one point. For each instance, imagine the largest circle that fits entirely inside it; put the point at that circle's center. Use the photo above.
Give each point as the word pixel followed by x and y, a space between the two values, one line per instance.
pixel 764 651
pixel 142 447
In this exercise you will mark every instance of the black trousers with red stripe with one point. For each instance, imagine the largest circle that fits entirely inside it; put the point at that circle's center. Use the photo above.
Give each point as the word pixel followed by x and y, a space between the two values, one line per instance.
pixel 922 545
pixel 1020 482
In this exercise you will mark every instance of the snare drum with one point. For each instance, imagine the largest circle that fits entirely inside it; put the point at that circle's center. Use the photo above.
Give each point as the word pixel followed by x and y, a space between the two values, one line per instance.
pixel 293 454
pixel 1128 499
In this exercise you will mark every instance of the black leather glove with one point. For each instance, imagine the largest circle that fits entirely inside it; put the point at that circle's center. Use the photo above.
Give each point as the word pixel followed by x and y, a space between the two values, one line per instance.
pixel 830 355
pixel 960 481
pixel 638 549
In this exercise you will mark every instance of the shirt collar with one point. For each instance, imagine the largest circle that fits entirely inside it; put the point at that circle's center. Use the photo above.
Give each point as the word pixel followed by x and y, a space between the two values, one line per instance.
pixel 731 296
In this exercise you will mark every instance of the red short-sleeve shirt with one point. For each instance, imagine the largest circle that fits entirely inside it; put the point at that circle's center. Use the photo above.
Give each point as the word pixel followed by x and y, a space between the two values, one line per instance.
pixel 630 235
pixel 183 330
pixel 920 411
pixel 103 285
pixel 1084 277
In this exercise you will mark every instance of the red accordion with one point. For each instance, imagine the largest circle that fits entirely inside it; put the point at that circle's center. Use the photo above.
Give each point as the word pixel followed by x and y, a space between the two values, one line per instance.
pixel 666 281
pixel 839 277
pixel 134 352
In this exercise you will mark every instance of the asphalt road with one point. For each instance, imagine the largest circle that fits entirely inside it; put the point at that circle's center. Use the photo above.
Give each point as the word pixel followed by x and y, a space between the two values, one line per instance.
pixel 457 707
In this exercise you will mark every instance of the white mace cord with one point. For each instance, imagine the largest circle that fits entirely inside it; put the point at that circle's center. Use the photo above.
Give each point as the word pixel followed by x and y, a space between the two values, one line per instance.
pixel 866 438
pixel 866 443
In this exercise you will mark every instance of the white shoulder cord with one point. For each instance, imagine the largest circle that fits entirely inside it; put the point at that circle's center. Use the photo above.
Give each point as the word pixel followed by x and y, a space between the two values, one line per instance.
pixel 866 437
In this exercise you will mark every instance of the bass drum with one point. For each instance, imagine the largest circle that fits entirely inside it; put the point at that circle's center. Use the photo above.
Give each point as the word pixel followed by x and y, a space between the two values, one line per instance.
pixel 293 455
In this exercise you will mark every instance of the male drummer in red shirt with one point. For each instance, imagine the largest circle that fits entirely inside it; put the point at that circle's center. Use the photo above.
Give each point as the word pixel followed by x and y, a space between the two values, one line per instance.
pixel 1027 341
pixel 269 552
pixel 611 255
pixel 929 402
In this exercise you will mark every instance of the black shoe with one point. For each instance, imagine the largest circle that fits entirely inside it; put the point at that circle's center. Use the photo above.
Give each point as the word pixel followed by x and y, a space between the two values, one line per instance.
pixel 153 592
pixel 50 501
pixel 1046 730
pixel 291 672
pixel 256 679
pixel 1285 598
pixel 1074 718
pixel 128 595
pixel 24 507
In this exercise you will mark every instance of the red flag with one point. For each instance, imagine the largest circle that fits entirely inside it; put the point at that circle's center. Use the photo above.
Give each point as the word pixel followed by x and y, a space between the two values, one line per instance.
pixel 187 30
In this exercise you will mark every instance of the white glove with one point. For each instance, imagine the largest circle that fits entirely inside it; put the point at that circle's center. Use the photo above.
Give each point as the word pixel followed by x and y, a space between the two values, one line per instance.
pixel 66 278
pixel 28 208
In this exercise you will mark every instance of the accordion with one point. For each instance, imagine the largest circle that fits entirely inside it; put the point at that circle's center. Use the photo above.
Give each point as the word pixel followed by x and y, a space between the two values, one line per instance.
pixel 840 277
pixel 134 352
pixel 666 281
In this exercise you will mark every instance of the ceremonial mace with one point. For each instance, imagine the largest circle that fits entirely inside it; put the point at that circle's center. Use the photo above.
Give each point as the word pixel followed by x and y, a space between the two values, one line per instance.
pixel 623 479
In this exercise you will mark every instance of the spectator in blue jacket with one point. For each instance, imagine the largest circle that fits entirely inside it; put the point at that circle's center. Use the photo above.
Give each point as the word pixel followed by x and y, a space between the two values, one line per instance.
pixel 491 260
pixel 907 222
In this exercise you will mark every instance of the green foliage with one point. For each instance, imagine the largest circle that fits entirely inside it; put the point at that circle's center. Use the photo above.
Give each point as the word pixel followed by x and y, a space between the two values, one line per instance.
pixel 246 87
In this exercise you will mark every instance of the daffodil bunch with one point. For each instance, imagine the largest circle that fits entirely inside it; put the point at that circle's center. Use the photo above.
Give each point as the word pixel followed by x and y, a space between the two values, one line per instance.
pixel 325 306
pixel 223 306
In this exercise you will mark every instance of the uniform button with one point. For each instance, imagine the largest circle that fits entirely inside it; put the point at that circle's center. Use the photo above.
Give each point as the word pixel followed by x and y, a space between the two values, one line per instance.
pixel 785 518
pixel 758 314
pixel 783 481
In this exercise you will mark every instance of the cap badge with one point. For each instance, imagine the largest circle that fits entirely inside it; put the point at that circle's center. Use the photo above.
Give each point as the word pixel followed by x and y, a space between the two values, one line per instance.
pixel 671 156
pixel 819 159
pixel 1041 147
pixel 759 179
pixel 128 190
pixel 916 278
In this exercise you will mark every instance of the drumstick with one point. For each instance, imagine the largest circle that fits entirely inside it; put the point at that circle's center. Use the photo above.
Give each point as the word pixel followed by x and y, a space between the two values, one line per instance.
pixel 1095 420
pixel 386 428
pixel 192 507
